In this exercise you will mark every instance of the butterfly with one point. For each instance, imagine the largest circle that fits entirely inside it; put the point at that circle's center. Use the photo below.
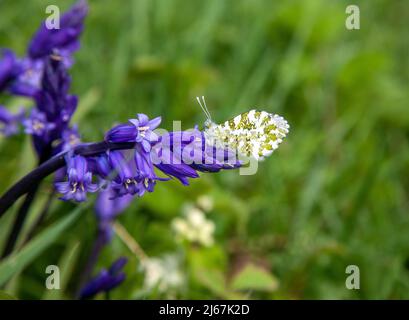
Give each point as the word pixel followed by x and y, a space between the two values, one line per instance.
pixel 253 133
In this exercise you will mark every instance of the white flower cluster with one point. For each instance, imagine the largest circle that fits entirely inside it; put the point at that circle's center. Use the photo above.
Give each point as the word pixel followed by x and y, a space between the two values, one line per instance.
pixel 194 227
pixel 162 273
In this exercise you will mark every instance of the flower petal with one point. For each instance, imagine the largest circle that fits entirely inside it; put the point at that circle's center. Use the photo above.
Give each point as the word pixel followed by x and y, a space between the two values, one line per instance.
pixel 154 123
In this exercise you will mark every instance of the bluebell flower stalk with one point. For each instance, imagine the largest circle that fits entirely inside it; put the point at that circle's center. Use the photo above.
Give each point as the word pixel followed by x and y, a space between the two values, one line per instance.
pixel 46 124
pixel 129 162
pixel 42 76
pixel 97 155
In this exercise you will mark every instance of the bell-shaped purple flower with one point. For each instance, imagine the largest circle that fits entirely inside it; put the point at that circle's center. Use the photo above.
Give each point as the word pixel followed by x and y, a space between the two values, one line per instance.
pixel 65 39
pixel 170 162
pixel 79 180
pixel 126 180
pixel 37 124
pixel 106 280
pixel 139 130
pixel 9 121
pixel 70 138
pixel 102 166
pixel 174 167
pixel 145 135
pixel 147 176
pixel 122 133
pixel 28 82
pixel 180 171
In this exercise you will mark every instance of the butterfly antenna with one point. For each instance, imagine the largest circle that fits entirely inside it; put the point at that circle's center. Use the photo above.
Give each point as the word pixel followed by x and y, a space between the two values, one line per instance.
pixel 207 110
pixel 204 108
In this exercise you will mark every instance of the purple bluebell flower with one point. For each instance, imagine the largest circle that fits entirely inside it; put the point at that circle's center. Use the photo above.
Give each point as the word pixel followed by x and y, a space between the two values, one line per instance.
pixel 126 180
pixel 139 130
pixel 106 280
pixel 9 121
pixel 145 135
pixel 212 159
pixel 102 166
pixel 190 147
pixel 65 39
pixel 180 171
pixel 37 124
pixel 169 160
pixel 172 166
pixel 9 68
pixel 79 180
pixel 122 133
pixel 147 177
pixel 28 82
pixel 70 138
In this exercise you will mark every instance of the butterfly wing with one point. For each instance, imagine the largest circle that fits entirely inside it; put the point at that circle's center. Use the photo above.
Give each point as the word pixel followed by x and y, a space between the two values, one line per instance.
pixel 253 134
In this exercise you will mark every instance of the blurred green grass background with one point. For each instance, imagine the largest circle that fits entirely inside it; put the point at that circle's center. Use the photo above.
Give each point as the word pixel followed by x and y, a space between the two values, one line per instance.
pixel 333 195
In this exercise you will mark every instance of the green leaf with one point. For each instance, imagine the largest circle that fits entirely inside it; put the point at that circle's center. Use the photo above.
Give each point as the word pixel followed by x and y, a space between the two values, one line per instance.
pixel 6 296
pixel 214 281
pixel 21 259
pixel 252 277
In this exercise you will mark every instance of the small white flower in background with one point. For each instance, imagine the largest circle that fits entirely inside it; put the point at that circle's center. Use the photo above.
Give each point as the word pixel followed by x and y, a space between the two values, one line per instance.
pixel 162 273
pixel 194 227
pixel 205 202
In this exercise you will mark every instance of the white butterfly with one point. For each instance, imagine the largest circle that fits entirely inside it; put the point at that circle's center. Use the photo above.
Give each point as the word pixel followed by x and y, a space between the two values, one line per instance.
pixel 252 134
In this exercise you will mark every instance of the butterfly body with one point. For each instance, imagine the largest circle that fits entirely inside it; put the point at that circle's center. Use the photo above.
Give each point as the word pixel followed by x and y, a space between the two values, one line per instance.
pixel 252 134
